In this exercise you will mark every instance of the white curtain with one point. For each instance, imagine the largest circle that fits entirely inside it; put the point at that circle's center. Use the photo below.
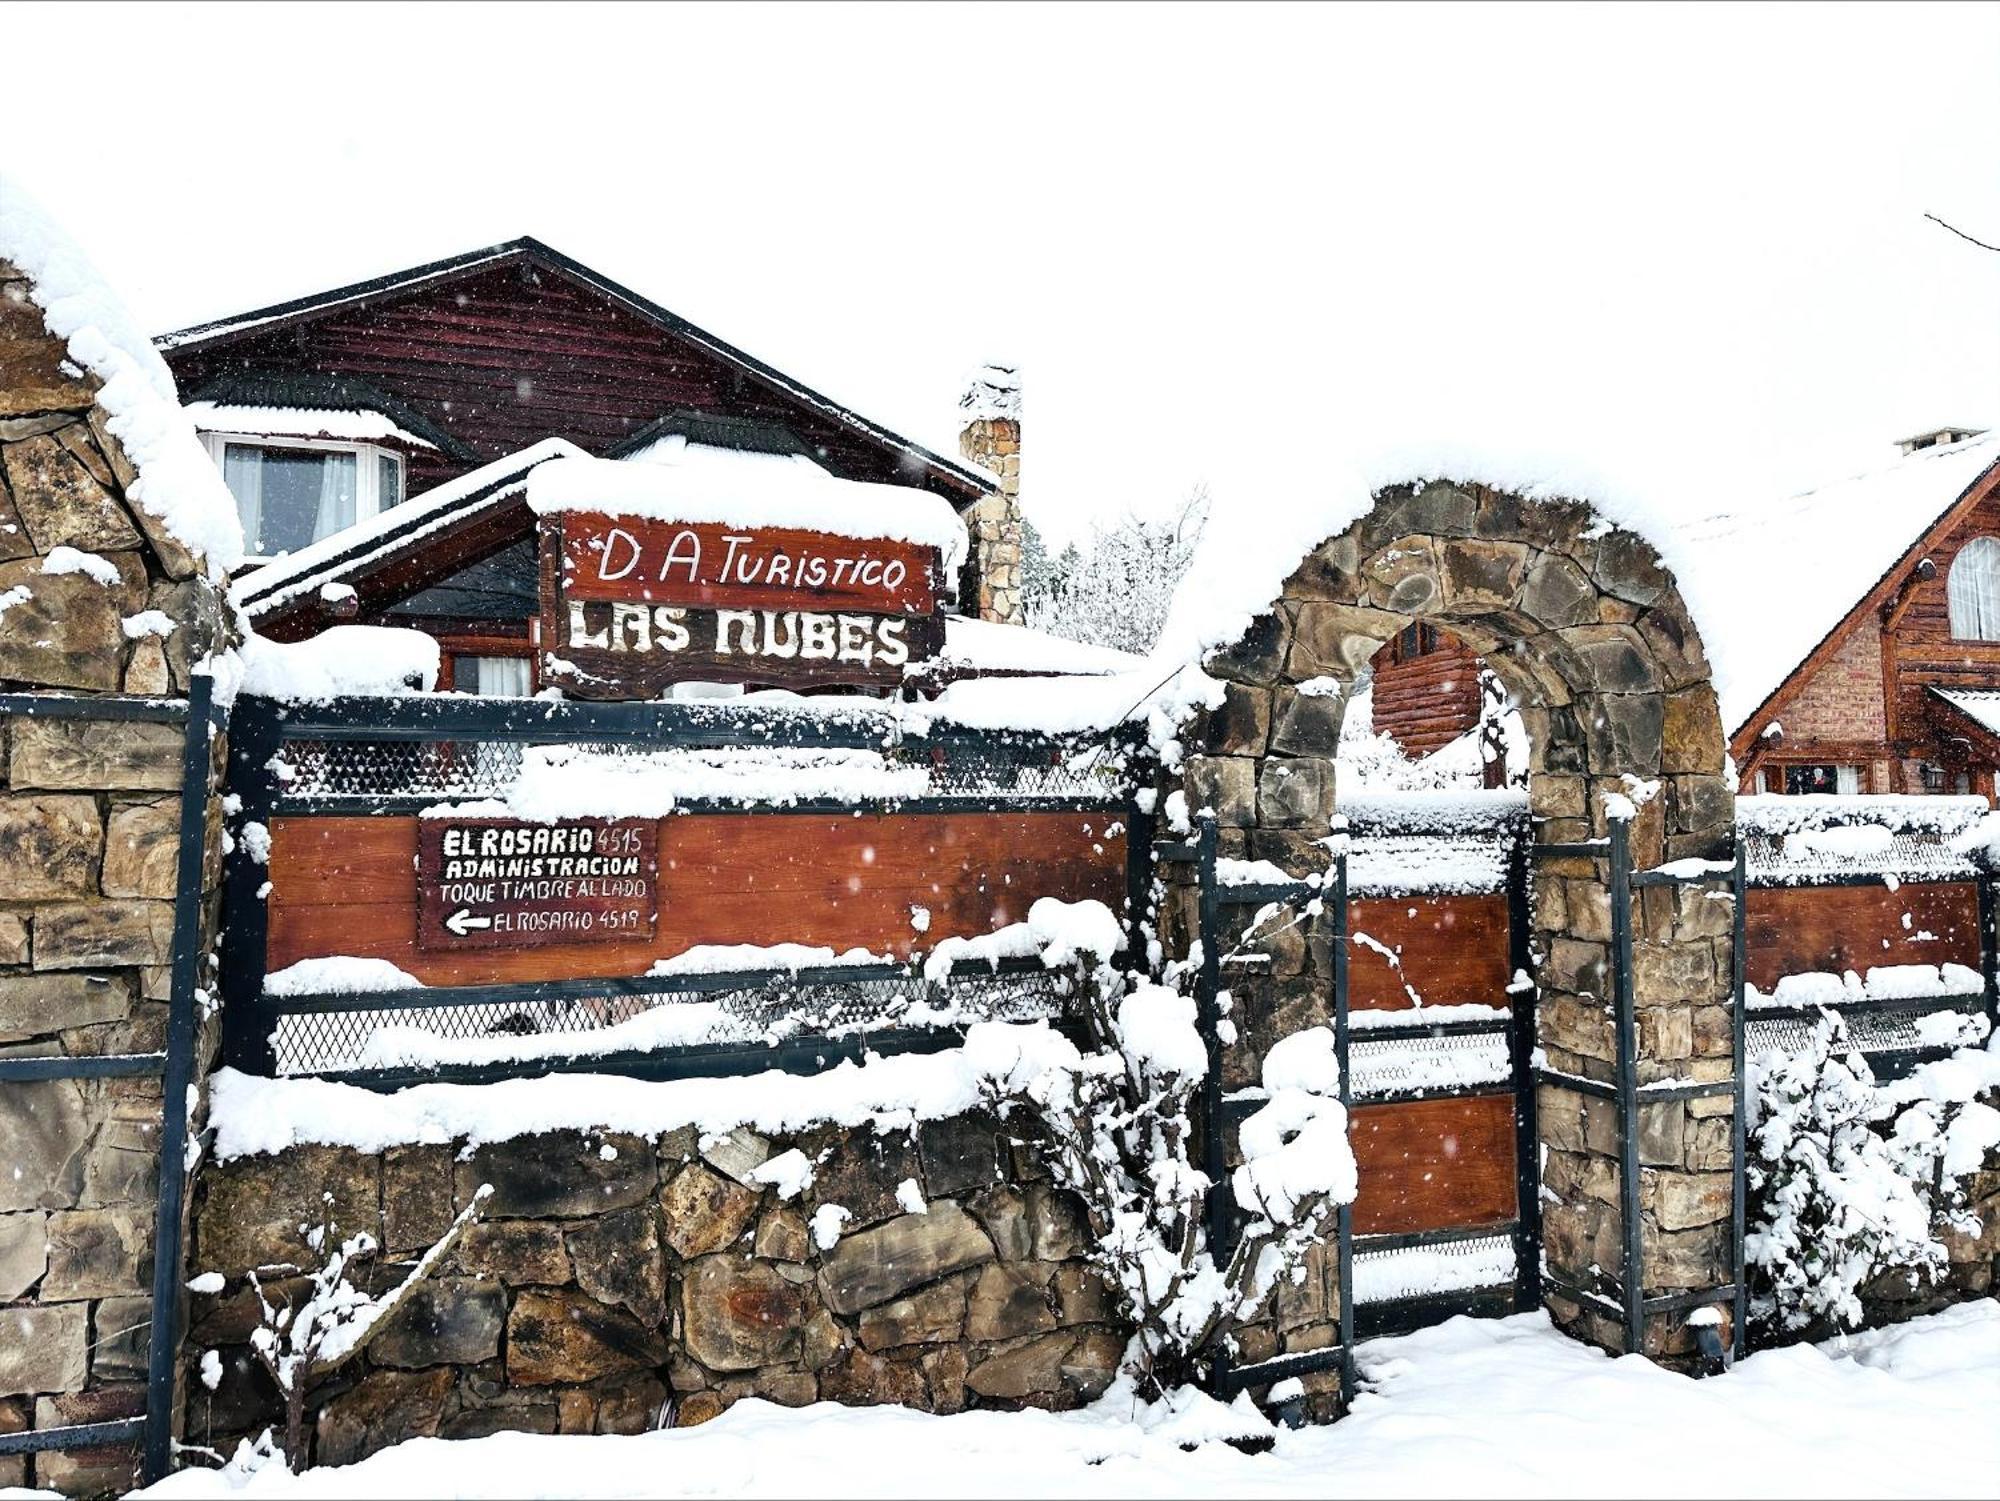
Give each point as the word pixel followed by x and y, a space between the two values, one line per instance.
pixel 336 495
pixel 1973 591
pixel 243 473
pixel 493 677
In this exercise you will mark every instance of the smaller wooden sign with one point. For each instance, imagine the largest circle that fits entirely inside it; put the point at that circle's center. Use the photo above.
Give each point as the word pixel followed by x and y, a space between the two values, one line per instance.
pixel 507 883
pixel 630 606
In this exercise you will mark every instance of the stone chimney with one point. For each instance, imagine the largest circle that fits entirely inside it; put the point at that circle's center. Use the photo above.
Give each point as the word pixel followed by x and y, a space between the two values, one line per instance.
pixel 991 438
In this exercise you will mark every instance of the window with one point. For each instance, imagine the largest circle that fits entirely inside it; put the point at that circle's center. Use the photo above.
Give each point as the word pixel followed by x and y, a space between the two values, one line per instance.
pixel 289 494
pixel 1845 780
pixel 1417 640
pixel 493 677
pixel 1973 591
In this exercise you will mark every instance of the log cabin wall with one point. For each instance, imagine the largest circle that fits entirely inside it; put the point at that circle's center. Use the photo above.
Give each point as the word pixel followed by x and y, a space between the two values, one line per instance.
pixel 1425 699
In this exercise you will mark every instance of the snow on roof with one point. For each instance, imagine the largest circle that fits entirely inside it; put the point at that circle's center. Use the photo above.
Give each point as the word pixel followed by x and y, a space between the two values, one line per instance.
pixel 301 422
pixel 529 249
pixel 178 483
pixel 989 646
pixel 1777 577
pixel 993 393
pixel 1980 705
pixel 696 482
pixel 354 547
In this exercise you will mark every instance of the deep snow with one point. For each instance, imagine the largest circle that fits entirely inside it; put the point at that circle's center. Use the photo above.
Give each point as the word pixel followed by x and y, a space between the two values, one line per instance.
pixel 1488 1408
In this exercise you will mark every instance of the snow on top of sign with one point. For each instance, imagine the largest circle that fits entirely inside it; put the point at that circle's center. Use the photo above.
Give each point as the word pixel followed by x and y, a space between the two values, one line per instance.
pixel 253 1115
pixel 350 426
pixel 340 660
pixel 178 482
pixel 699 482
pixel 355 547
pixel 992 647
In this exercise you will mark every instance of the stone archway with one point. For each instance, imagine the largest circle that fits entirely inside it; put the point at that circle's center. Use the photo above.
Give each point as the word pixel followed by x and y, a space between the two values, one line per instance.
pixel 1589 633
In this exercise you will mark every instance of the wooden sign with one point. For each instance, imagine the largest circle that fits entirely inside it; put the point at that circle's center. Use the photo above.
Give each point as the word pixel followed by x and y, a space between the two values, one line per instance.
pixel 506 883
pixel 630 605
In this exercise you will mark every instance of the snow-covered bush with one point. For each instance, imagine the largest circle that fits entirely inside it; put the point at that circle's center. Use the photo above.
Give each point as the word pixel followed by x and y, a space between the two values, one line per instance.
pixel 1851 1180
pixel 1121 1136
pixel 301 1342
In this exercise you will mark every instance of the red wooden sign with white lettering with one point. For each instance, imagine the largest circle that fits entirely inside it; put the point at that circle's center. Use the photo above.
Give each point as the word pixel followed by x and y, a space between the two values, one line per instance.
pixel 631 605
pixel 504 883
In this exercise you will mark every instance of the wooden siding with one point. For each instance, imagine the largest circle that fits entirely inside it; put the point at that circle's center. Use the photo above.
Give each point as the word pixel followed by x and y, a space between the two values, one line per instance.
pixel 1427 702
pixel 349 886
pixel 1814 929
pixel 1451 950
pixel 1434 1164
pixel 504 358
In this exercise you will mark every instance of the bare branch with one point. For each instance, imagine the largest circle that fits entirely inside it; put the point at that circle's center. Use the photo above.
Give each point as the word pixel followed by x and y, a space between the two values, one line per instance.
pixel 1962 234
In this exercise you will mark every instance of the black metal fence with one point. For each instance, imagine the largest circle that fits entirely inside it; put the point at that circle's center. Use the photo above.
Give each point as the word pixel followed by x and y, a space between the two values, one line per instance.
pixel 401 756
pixel 1393 1061
pixel 201 718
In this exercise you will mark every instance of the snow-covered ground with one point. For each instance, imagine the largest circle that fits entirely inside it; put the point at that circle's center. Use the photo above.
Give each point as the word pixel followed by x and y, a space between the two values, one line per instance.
pixel 1486 1408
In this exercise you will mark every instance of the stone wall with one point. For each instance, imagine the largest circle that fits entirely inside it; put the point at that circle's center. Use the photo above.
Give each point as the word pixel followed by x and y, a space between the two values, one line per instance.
pixel 1589 635
pixel 617 1283
pixel 89 814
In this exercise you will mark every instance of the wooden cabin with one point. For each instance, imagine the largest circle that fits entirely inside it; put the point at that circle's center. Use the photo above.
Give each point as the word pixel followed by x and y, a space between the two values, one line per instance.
pixel 377 438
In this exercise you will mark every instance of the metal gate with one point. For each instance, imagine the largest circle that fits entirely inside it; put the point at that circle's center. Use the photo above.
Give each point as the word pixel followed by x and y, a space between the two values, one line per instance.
pixel 174 1065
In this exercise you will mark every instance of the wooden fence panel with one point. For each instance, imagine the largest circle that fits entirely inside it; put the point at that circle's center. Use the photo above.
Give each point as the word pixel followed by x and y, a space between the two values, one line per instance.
pixel 349 886
pixel 1451 950
pixel 1795 930
pixel 1442 1164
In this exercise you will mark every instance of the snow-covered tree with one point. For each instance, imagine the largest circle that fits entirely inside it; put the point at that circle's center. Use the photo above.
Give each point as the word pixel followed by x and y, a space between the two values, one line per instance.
pixel 1851 1180
pixel 1120 1135
pixel 1115 587
pixel 303 1341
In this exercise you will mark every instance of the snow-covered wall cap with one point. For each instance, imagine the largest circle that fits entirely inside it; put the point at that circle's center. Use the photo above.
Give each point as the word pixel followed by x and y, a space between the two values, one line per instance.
pixel 1792 814
pixel 178 482
pixel 697 482
pixel 992 394
pixel 355 426
pixel 1469 812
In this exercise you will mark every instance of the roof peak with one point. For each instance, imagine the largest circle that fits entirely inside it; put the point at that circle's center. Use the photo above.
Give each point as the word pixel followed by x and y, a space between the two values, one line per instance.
pixel 527 247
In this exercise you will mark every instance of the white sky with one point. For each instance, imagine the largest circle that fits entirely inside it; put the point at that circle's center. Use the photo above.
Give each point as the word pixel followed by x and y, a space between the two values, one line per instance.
pixel 1680 244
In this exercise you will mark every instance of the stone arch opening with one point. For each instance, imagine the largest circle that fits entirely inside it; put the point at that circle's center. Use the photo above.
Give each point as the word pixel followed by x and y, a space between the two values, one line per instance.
pixel 1588 632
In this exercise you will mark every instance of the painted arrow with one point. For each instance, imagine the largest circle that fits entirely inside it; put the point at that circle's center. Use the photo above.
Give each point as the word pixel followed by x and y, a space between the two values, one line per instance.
pixel 462 922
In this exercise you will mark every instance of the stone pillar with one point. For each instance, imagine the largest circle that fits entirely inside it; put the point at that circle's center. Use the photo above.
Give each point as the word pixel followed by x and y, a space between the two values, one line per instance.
pixel 991 439
pixel 96 596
